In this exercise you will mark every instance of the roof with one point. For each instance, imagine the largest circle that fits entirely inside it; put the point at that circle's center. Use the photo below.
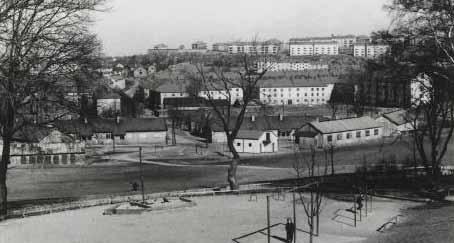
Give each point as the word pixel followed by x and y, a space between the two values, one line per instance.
pixel 171 88
pixel 192 102
pixel 397 117
pixel 314 42
pixel 100 125
pixel 35 134
pixel 263 123
pixel 344 125
pixel 249 134
pixel 291 82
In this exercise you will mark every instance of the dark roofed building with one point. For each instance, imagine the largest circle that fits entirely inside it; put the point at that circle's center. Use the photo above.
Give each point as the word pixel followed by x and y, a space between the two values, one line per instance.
pixel 123 130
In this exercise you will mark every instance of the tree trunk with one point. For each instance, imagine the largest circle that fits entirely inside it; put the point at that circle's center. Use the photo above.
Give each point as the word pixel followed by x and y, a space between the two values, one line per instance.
pixel 3 169
pixel 231 175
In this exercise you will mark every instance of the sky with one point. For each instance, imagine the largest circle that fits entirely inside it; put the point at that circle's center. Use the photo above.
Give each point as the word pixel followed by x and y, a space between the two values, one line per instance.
pixel 133 26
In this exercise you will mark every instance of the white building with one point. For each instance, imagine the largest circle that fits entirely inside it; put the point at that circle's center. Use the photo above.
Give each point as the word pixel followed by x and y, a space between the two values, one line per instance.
pixel 369 50
pixel 344 132
pixel 37 146
pixel 236 94
pixel 169 90
pixel 252 141
pixel 396 123
pixel 289 66
pixel 109 102
pixel 312 48
pixel 278 93
pixel 262 48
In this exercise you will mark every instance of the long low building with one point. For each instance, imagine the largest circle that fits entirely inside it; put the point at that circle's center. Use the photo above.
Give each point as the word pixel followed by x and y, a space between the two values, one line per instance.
pixel 44 146
pixel 119 130
pixel 343 132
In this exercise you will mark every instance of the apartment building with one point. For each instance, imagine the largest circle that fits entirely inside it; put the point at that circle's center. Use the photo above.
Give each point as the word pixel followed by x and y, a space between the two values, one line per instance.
pixel 199 45
pixel 369 50
pixel 269 47
pixel 295 93
pixel 312 48
pixel 236 94
pixel 289 66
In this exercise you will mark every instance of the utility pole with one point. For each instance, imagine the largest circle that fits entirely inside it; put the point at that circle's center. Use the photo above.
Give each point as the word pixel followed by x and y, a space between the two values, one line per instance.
pixel 294 216
pixel 268 218
pixel 141 174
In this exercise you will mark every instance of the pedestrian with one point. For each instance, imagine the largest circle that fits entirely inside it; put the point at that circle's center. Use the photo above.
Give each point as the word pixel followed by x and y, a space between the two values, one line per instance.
pixel 359 202
pixel 290 229
pixel 135 186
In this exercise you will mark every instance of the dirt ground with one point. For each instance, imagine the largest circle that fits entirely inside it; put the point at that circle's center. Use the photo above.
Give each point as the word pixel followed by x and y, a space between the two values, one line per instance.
pixel 214 219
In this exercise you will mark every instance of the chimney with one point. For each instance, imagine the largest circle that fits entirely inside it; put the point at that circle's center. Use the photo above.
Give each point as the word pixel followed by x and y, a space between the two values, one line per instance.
pixel 253 118
pixel 317 119
pixel 118 119
pixel 281 117
pixel 85 120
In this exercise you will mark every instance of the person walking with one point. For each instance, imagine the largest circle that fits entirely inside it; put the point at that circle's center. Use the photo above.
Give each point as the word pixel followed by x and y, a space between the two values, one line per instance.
pixel 359 202
pixel 290 229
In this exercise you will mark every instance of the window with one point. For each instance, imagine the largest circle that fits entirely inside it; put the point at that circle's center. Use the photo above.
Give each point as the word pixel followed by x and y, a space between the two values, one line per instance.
pixel 122 137
pixel 375 132
pixel 268 138
pixel 367 133
pixel 250 145
pixel 339 136
pixel 238 144
pixel 349 135
pixel 329 138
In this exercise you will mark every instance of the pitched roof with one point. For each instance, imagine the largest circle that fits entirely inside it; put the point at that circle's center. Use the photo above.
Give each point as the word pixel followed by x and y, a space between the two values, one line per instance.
pixel 35 134
pixel 249 134
pixel 263 123
pixel 344 125
pixel 100 125
pixel 397 117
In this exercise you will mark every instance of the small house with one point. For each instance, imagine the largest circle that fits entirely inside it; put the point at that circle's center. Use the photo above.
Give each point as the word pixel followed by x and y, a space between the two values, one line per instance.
pixel 396 123
pixel 253 141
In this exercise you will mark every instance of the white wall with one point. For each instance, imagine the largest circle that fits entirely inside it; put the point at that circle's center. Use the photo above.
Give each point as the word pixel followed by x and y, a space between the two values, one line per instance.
pixel 297 95
pixel 354 140
pixel 108 104
pixel 257 146
pixel 145 137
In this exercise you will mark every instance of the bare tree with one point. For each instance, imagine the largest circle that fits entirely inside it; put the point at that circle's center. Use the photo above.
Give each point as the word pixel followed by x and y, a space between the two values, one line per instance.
pixel 226 77
pixel 423 45
pixel 313 205
pixel 432 116
pixel 43 44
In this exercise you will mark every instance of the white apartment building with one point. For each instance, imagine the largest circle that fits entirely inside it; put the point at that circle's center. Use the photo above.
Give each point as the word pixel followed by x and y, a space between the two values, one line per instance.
pixel 298 94
pixel 263 48
pixel 235 93
pixel 289 66
pixel 369 50
pixel 311 48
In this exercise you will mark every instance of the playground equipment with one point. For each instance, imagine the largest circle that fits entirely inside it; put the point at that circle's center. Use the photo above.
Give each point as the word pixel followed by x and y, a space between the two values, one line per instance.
pixel 358 207
pixel 279 195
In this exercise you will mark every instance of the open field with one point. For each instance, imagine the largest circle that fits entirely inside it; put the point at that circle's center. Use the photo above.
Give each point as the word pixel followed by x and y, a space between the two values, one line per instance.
pixel 214 219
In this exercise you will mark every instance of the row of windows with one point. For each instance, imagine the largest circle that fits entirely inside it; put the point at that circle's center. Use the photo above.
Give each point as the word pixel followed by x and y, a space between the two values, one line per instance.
pixel 289 89
pixel 348 135
pixel 305 101
pixel 297 95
